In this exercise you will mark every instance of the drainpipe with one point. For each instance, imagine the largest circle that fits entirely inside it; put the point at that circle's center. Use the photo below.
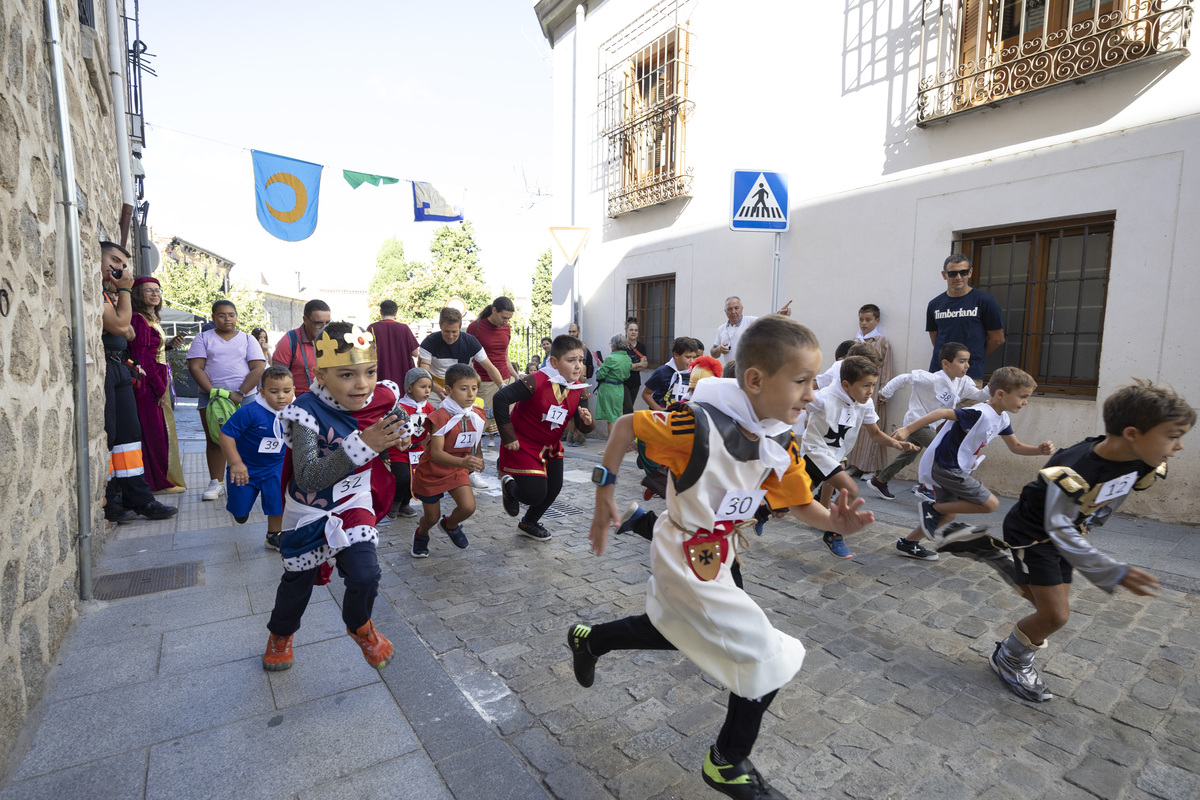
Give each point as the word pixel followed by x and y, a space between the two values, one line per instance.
pixel 576 303
pixel 116 73
pixel 83 477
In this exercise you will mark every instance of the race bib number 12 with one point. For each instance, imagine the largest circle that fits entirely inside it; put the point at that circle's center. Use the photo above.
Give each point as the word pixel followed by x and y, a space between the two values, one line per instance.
pixel 739 504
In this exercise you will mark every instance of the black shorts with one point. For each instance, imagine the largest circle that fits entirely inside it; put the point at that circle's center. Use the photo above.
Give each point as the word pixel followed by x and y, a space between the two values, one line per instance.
pixel 815 475
pixel 430 500
pixel 1041 565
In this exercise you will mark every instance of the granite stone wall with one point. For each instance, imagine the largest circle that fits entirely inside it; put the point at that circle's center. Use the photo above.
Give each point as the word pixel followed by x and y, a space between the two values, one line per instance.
pixel 38 557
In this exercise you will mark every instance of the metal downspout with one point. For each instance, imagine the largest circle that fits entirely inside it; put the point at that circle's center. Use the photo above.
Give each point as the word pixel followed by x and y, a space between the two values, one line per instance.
pixel 576 303
pixel 83 477
pixel 116 74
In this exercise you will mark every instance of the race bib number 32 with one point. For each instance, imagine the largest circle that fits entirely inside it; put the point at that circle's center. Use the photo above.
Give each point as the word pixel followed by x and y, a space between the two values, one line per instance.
pixel 357 483
pixel 739 504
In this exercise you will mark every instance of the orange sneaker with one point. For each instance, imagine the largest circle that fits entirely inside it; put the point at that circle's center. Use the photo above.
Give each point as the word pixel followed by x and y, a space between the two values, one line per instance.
pixel 279 653
pixel 377 650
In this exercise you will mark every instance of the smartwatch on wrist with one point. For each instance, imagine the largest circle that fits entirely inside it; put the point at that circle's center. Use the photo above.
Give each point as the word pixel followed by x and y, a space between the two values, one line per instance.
pixel 602 477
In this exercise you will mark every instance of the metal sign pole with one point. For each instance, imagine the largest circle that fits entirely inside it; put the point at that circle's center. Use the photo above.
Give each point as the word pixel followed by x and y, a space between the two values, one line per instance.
pixel 775 276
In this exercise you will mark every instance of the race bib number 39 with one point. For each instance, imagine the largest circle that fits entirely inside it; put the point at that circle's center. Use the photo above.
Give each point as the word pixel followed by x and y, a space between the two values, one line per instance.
pixel 270 446
pixel 357 483
pixel 739 504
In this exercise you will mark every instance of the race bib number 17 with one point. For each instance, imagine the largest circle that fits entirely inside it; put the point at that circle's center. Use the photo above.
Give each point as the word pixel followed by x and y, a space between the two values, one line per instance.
pixel 739 504
pixel 357 483
pixel 555 415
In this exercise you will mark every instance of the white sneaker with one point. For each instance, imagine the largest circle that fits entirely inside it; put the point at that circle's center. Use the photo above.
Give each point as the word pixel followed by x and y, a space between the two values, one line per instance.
pixel 478 481
pixel 214 490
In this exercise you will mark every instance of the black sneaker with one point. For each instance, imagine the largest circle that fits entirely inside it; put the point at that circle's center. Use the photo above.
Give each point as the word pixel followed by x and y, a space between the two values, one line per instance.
pixel 420 546
pixel 406 511
pixel 272 542
pixel 930 519
pixel 534 530
pixel 156 510
pixel 585 662
pixel 457 536
pixel 915 550
pixel 508 495
pixel 881 489
pixel 119 514
pixel 740 781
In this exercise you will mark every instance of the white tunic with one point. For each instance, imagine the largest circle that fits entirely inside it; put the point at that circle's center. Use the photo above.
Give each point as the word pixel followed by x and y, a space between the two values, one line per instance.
pixel 834 420
pixel 714 623
pixel 968 455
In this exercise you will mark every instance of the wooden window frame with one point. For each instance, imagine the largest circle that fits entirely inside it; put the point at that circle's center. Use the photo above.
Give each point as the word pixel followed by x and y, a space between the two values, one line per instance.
pixel 637 303
pixel 1024 348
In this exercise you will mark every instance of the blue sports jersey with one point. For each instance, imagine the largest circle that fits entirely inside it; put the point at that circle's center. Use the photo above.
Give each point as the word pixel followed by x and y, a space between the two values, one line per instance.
pixel 946 453
pixel 249 426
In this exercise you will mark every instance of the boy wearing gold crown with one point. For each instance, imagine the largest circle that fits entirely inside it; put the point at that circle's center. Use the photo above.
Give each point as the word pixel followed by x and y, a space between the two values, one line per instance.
pixel 336 490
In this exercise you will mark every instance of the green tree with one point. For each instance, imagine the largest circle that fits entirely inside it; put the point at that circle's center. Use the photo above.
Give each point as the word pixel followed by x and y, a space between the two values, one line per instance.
pixel 390 269
pixel 543 292
pixel 454 272
pixel 195 287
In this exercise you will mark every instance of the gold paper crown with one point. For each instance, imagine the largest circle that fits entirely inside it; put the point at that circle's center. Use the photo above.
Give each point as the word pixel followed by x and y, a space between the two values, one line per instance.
pixel 362 349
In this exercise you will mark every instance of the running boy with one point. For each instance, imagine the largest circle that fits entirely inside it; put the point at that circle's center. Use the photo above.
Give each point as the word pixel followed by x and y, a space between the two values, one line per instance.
pixel 726 449
pixel 418 385
pixel 954 454
pixel 835 416
pixel 945 388
pixel 335 433
pixel 252 441
pixel 455 437
pixel 532 414
pixel 668 383
pixel 1077 490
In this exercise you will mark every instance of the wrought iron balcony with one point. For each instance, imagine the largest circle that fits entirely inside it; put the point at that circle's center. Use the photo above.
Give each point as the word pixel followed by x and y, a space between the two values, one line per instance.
pixel 646 159
pixel 976 53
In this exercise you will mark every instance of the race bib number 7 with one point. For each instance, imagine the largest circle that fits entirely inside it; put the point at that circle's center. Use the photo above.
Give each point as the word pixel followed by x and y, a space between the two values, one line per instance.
pixel 739 504
pixel 357 483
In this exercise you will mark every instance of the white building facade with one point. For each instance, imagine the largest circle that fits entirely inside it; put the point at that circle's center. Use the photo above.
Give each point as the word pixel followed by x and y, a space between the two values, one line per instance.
pixel 1055 143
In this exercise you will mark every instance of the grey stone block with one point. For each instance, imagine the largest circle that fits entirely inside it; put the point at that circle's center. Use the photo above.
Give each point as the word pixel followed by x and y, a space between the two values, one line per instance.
pixel 283 753
pixel 127 619
pixel 1163 780
pixel 489 772
pixel 86 670
pixel 321 669
pixel 1102 778
pixel 412 775
pixel 94 726
pixel 117 778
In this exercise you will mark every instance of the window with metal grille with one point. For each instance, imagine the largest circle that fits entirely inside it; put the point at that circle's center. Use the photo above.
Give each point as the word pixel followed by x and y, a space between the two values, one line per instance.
pixel 978 52
pixel 1051 281
pixel 651 301
pixel 643 110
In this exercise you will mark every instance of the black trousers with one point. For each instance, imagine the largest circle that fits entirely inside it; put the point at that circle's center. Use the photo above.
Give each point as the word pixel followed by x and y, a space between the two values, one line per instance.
pixel 538 492
pixel 631 394
pixel 402 472
pixel 743 716
pixel 121 426
pixel 358 565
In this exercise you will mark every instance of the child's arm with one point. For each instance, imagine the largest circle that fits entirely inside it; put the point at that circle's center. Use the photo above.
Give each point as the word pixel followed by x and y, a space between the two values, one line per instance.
pixel 237 469
pixel 648 396
pixel 607 514
pixel 841 517
pixel 905 431
pixel 502 403
pixel 314 472
pixel 892 386
pixel 883 439
pixel 437 451
pixel 1014 445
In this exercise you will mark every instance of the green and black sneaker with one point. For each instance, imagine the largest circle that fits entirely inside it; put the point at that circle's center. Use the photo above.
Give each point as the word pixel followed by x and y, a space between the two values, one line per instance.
pixel 585 662
pixel 740 781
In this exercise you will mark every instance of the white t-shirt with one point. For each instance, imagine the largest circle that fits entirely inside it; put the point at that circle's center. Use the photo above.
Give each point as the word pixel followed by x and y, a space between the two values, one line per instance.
pixel 933 390
pixel 834 420
pixel 728 335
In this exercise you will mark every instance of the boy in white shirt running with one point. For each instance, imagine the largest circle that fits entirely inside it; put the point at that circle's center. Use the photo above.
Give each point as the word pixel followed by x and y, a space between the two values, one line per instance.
pixel 945 388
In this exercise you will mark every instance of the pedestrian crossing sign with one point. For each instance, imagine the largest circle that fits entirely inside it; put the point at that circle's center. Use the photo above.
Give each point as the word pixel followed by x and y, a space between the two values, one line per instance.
pixel 760 201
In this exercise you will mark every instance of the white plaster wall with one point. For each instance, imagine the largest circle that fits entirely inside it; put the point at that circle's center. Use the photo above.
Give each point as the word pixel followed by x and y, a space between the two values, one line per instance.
pixel 876 201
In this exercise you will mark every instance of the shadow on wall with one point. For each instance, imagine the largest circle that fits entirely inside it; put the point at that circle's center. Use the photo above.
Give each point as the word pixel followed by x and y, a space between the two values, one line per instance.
pixel 881 46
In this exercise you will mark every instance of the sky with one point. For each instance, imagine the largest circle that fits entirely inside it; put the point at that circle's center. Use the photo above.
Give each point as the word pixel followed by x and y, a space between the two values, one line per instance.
pixel 453 93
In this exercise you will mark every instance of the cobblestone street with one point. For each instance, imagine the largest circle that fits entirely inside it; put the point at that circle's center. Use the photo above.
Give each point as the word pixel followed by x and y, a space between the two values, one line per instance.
pixel 895 699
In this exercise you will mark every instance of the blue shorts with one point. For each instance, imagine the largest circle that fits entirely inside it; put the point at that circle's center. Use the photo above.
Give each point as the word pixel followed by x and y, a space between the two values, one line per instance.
pixel 430 499
pixel 240 499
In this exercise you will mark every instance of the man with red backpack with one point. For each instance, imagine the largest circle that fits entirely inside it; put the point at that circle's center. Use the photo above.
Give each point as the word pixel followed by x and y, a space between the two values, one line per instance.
pixel 295 351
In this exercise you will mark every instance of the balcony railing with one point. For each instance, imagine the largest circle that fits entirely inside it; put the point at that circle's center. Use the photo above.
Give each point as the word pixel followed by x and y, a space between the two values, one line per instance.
pixel 646 159
pixel 976 53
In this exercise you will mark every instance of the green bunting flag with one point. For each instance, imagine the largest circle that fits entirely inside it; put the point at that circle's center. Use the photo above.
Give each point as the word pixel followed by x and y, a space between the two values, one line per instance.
pixel 356 179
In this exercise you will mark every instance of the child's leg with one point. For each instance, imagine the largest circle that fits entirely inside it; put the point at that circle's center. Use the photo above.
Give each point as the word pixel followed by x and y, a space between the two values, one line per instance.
pixel 552 485
pixel 630 633
pixel 743 718
pixel 921 438
pixel 843 483
pixel 274 523
pixel 530 490
pixel 358 565
pixel 291 598
pixel 402 472
pixel 432 512
pixel 464 506
pixel 1052 609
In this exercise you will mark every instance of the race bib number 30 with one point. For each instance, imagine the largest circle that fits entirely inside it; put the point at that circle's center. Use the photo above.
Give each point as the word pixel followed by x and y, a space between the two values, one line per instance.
pixel 270 446
pixel 357 483
pixel 739 504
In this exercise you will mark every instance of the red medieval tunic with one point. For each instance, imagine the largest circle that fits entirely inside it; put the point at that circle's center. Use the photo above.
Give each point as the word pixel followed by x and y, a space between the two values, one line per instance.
pixel 539 423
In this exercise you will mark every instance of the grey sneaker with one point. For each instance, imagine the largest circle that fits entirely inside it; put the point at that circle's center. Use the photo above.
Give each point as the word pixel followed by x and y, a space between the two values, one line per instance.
pixel 915 550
